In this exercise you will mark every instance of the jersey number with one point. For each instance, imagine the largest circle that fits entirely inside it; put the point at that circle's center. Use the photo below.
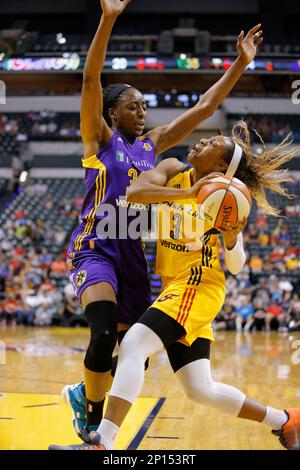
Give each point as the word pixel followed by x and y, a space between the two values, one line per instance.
pixel 175 234
pixel 133 174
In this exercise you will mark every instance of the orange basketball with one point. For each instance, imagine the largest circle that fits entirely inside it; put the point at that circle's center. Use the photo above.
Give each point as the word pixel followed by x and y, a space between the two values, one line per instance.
pixel 224 200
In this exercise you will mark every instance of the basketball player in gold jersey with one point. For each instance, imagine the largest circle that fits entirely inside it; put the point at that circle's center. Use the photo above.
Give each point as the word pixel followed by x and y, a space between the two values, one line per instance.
pixel 110 274
pixel 194 285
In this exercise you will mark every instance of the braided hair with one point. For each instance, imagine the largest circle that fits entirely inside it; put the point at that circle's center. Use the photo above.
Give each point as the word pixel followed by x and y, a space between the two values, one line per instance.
pixel 111 97
pixel 264 171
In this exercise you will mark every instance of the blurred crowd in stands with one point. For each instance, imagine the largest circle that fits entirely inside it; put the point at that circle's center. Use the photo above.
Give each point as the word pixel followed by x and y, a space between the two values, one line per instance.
pixel 39 125
pixel 49 125
pixel 35 290
pixel 273 129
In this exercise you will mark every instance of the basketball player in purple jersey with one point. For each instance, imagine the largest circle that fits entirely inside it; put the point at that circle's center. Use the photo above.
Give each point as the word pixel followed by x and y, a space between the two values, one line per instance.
pixel 110 274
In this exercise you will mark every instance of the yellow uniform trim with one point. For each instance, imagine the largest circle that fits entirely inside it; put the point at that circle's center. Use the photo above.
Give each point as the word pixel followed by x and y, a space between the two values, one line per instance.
pixel 94 163
pixel 70 265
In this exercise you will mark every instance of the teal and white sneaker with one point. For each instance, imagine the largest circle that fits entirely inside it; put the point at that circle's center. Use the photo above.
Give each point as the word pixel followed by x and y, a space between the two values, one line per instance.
pixel 74 396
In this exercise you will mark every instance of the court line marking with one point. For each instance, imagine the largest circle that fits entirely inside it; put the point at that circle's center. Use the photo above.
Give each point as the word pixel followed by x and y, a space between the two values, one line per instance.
pixel 31 380
pixel 161 437
pixel 37 406
pixel 170 417
pixel 146 425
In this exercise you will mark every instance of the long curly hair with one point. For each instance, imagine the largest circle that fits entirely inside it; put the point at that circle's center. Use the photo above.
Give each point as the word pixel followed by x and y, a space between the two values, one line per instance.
pixel 264 171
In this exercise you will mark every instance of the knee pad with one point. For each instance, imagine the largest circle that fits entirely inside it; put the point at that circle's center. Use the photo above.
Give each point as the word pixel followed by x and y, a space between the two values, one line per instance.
pixel 121 335
pixel 102 320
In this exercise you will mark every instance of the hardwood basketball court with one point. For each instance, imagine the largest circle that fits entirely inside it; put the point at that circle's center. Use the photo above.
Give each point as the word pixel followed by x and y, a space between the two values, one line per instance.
pixel 40 361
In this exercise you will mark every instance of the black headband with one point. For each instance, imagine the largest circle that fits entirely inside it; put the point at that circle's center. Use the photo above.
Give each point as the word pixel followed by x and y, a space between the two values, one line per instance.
pixel 115 93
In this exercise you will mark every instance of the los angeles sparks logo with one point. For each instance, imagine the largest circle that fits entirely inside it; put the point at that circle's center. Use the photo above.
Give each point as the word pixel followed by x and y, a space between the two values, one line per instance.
pixel 81 277
pixel 147 147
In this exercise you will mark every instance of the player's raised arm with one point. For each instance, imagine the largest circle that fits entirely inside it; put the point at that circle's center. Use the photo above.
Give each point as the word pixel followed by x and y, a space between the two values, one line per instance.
pixel 94 130
pixel 150 187
pixel 169 135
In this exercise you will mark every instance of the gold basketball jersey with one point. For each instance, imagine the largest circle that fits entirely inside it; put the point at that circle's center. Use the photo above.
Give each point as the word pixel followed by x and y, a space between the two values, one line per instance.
pixel 183 243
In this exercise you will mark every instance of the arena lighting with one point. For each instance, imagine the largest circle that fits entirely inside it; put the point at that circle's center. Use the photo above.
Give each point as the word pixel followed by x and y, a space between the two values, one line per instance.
pixel 49 64
pixel 269 66
pixel 70 62
pixel 60 38
pixel 251 66
pixel 217 62
pixel 188 63
pixel 226 64
pixel 184 99
pixel 151 99
pixel 149 63
pixel 23 176
pixel 119 63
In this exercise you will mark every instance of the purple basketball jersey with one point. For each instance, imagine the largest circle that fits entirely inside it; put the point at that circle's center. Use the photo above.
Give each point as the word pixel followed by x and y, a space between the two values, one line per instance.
pixel 108 174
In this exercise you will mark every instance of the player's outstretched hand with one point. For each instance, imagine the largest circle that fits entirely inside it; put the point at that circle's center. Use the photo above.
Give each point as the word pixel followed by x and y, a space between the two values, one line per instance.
pixel 113 8
pixel 247 46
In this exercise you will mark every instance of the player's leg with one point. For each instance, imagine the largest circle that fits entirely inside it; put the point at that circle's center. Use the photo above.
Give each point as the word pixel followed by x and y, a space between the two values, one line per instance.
pixel 100 306
pixel 154 330
pixel 192 368
pixel 131 305
pixel 132 302
pixel 122 330
pixel 95 283
pixel 150 334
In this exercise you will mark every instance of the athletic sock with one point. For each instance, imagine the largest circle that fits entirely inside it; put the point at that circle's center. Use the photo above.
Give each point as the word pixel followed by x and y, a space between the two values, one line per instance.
pixel 275 418
pixel 108 432
pixel 94 411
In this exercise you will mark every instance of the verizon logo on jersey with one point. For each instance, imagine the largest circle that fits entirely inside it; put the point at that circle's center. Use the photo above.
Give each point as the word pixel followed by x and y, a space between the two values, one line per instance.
pixel 122 202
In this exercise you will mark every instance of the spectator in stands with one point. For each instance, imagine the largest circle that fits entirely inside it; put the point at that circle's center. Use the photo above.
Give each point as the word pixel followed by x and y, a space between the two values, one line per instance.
pixel 256 264
pixel 60 235
pixel 52 127
pixel 263 238
pixel 226 319
pixel 259 317
pixel 292 263
pixel 252 233
pixel 44 313
pixel 277 253
pixel 284 237
pixel 244 315
pixel 72 313
pixel 294 322
pixel 58 267
pixel 244 284
pixel 276 318
pixel 260 300
pixel 261 221
pixel 285 285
